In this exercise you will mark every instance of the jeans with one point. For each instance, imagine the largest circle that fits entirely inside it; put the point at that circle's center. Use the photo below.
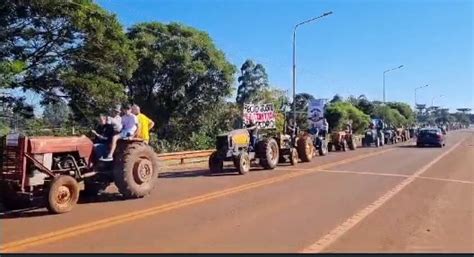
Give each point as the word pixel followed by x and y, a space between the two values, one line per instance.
pixel 101 150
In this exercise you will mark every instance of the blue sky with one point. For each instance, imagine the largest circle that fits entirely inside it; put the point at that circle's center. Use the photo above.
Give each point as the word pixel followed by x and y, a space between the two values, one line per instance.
pixel 344 53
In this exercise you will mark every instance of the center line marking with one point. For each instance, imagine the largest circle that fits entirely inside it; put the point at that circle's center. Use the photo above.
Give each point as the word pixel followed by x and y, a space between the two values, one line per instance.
pixel 342 229
pixel 54 236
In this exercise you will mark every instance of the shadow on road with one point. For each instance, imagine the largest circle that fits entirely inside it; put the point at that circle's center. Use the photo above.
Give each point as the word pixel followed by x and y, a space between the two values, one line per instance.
pixel 37 209
pixel 228 171
pixel 414 146
pixel 407 146
pixel 101 198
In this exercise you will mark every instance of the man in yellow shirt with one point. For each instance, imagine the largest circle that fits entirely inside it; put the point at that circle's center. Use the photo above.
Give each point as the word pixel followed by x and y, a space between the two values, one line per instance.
pixel 145 124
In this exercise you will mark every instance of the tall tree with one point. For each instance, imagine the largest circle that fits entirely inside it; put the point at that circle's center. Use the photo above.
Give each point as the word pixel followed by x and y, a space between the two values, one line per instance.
pixel 405 110
pixel 56 113
pixel 301 106
pixel 180 77
pixel 336 98
pixel 67 49
pixel 252 79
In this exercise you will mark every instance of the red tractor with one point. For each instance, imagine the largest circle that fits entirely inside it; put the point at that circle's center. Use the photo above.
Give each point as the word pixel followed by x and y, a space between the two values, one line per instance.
pixel 56 169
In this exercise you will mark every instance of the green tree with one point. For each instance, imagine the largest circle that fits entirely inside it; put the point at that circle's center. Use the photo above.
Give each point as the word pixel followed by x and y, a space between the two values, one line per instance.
pixel 181 77
pixel 65 49
pixel 337 98
pixel 338 114
pixel 252 79
pixel 56 114
pixel 365 105
pixel 405 110
pixel 302 101
pixel 389 115
pixel 4 128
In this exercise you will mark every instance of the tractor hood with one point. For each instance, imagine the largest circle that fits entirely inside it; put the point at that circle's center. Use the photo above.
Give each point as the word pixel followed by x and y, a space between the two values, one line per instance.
pixel 40 145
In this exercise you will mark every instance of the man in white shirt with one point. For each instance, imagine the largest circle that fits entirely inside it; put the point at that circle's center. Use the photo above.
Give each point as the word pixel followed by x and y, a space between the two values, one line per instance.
pixel 129 128
pixel 129 123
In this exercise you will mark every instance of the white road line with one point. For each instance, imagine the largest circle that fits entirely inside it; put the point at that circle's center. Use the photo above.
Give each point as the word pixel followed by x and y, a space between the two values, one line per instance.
pixel 447 180
pixel 365 173
pixel 396 175
pixel 340 230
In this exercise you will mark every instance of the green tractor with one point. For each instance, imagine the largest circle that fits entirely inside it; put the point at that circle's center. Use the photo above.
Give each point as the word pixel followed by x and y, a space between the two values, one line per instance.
pixel 269 149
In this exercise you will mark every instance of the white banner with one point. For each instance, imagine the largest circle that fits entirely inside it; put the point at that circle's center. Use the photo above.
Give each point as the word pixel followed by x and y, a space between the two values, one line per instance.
pixel 316 110
pixel 262 115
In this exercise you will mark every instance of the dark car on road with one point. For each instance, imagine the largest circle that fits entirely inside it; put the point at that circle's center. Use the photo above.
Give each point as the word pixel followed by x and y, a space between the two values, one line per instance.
pixel 430 136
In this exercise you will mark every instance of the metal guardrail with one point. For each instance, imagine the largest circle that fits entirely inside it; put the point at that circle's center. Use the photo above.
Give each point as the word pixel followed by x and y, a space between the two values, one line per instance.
pixel 185 155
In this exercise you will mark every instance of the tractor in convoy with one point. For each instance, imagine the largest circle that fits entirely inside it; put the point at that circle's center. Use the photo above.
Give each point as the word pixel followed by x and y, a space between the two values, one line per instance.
pixel 374 134
pixel 390 135
pixel 269 148
pixel 56 169
pixel 341 141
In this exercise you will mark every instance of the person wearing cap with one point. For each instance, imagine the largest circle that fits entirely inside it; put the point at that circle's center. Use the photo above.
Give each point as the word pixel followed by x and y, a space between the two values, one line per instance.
pixel 115 119
pixel 145 124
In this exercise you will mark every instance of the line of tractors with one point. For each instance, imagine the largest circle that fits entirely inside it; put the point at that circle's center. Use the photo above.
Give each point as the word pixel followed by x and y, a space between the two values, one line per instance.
pixel 271 147
pixel 55 170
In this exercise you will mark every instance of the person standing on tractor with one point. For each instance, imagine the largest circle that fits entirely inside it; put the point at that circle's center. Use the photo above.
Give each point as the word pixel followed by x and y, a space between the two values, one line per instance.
pixel 129 129
pixel 252 127
pixel 145 124
pixel 325 127
pixel 349 127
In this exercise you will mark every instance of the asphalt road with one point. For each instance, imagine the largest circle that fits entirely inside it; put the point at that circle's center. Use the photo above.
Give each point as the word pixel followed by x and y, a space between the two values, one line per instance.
pixel 391 199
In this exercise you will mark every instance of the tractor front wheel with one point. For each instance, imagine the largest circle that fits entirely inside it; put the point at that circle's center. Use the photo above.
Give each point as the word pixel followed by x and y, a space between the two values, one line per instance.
pixel 323 148
pixel 62 195
pixel 243 161
pixel 293 156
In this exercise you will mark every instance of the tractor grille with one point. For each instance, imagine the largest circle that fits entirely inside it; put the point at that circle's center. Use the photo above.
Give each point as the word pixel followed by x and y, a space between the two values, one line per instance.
pixel 11 161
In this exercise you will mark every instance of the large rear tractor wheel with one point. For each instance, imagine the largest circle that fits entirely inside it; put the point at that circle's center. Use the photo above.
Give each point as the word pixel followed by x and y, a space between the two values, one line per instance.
pixel 269 153
pixel 305 148
pixel 136 170
pixel 62 195
pixel 216 164
pixel 243 161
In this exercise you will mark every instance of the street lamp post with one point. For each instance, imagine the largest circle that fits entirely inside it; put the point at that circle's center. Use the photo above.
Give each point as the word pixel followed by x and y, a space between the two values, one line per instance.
pixel 416 102
pixel 415 93
pixel 399 67
pixel 294 61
